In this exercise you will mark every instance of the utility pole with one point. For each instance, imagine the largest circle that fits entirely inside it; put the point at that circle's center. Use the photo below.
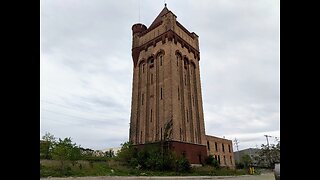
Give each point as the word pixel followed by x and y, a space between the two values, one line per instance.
pixel 236 142
pixel 267 139
pixel 268 152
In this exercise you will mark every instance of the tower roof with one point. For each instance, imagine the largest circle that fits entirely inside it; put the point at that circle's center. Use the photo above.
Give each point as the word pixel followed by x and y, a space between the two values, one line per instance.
pixel 158 19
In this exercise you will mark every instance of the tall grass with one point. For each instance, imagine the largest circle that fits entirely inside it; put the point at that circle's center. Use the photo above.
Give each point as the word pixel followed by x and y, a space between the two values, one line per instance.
pixel 115 168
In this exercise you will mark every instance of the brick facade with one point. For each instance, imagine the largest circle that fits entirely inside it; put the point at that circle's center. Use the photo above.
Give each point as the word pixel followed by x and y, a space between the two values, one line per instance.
pixel 221 149
pixel 166 90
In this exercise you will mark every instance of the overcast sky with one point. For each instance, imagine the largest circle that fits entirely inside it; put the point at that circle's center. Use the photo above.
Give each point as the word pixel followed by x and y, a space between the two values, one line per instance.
pixel 87 68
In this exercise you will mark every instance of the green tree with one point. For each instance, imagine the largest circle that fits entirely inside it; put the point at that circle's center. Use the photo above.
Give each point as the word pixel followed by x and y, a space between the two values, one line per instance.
pixel 268 155
pixel 126 153
pixel 46 145
pixel 246 160
pixel 64 150
pixel 75 154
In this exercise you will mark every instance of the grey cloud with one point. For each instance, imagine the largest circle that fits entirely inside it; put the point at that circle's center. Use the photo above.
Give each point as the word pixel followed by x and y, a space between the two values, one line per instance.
pixel 87 66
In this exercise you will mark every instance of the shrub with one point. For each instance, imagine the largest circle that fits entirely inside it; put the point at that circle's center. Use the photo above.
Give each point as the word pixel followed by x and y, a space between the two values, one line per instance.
pixel 182 165
pixel 211 161
pixel 239 165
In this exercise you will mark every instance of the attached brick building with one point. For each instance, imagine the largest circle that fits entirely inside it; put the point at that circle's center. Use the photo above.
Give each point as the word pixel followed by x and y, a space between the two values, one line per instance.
pixel 166 93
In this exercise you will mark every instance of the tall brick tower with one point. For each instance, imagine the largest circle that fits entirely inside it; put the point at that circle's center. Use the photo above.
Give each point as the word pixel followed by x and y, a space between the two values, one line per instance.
pixel 166 93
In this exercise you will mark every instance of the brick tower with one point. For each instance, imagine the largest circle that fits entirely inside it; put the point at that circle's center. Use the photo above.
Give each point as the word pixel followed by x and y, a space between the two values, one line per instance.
pixel 166 93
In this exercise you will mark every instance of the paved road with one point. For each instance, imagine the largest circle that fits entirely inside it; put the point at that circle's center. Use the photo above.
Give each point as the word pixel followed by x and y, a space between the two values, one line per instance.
pixel 266 176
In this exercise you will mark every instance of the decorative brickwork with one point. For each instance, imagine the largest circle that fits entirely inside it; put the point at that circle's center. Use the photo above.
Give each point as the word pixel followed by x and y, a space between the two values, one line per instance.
pixel 166 90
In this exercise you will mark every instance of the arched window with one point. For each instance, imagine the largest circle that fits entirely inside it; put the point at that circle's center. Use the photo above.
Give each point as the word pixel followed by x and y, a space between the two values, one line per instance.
pixel 141 65
pixel 160 56
pixel 178 56
pixel 151 62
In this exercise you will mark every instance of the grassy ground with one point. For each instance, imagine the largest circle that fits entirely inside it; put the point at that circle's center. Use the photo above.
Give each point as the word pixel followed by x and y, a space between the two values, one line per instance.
pixel 112 168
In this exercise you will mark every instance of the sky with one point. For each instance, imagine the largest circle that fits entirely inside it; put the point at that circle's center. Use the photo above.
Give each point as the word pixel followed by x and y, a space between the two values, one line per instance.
pixel 86 67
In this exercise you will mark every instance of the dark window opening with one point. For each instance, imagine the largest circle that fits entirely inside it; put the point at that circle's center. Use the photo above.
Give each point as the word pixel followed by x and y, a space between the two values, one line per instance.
pixel 161 93
pixel 187 115
pixel 178 94
pixel 216 146
pixel 183 154
pixel 141 137
pixel 177 60
pixel 142 98
pixel 151 116
pixel 229 148
pixel 222 147
pixel 160 60
pixel 151 78
pixel 208 144
pixel 151 63
pixel 219 159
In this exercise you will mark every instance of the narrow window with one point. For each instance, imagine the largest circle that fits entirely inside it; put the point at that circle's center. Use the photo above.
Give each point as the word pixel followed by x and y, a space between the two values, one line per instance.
pixel 161 93
pixel 192 100
pixel 208 144
pixel 141 137
pixel 219 159
pixel 142 98
pixel 216 145
pixel 187 115
pixel 222 147
pixel 160 60
pixel 178 94
pixel 177 60
pixel 151 78
pixel 229 148
pixel 151 116
pixel 161 134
